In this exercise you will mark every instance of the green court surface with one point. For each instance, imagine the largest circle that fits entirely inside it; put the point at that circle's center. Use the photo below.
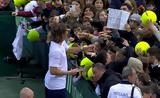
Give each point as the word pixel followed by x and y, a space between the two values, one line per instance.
pixel 9 88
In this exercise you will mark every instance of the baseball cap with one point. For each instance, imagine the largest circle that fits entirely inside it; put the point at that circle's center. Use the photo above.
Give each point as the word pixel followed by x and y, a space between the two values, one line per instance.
pixel 135 17
pixel 136 64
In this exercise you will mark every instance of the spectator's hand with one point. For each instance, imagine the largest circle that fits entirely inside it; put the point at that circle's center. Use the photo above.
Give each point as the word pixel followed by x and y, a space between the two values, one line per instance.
pixel 92 54
pixel 128 28
pixel 74 71
pixel 68 14
pixel 150 24
pixel 88 18
pixel 104 36
pixel 125 42
pixel 14 13
pixel 71 39
pixel 82 35
pixel 89 48
pixel 152 27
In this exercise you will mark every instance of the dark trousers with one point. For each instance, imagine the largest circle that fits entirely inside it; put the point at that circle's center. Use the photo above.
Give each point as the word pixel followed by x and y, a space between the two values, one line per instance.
pixel 56 93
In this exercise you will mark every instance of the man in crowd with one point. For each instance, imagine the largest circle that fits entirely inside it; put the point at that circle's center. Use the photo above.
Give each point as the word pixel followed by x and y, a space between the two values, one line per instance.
pixel 104 78
pixel 26 93
pixel 126 89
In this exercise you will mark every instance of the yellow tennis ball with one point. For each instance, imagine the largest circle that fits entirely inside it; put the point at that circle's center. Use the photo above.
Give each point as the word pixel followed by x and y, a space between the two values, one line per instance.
pixel 19 3
pixel 90 74
pixel 33 35
pixel 148 15
pixel 86 63
pixel 142 48
pixel 70 45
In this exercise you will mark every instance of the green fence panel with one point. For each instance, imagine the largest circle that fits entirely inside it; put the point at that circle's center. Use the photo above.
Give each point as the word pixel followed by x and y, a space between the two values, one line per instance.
pixel 7 35
pixel 80 89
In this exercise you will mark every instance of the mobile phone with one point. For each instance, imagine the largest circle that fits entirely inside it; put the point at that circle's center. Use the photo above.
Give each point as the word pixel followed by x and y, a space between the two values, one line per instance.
pixel 72 8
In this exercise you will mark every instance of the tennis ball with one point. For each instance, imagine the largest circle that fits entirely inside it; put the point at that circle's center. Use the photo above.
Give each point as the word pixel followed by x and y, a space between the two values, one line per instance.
pixel 87 63
pixel 90 74
pixel 19 3
pixel 148 15
pixel 142 48
pixel 70 45
pixel 33 35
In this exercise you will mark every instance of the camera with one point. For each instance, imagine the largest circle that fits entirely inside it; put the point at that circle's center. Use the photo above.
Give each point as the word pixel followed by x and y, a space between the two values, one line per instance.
pixel 72 8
